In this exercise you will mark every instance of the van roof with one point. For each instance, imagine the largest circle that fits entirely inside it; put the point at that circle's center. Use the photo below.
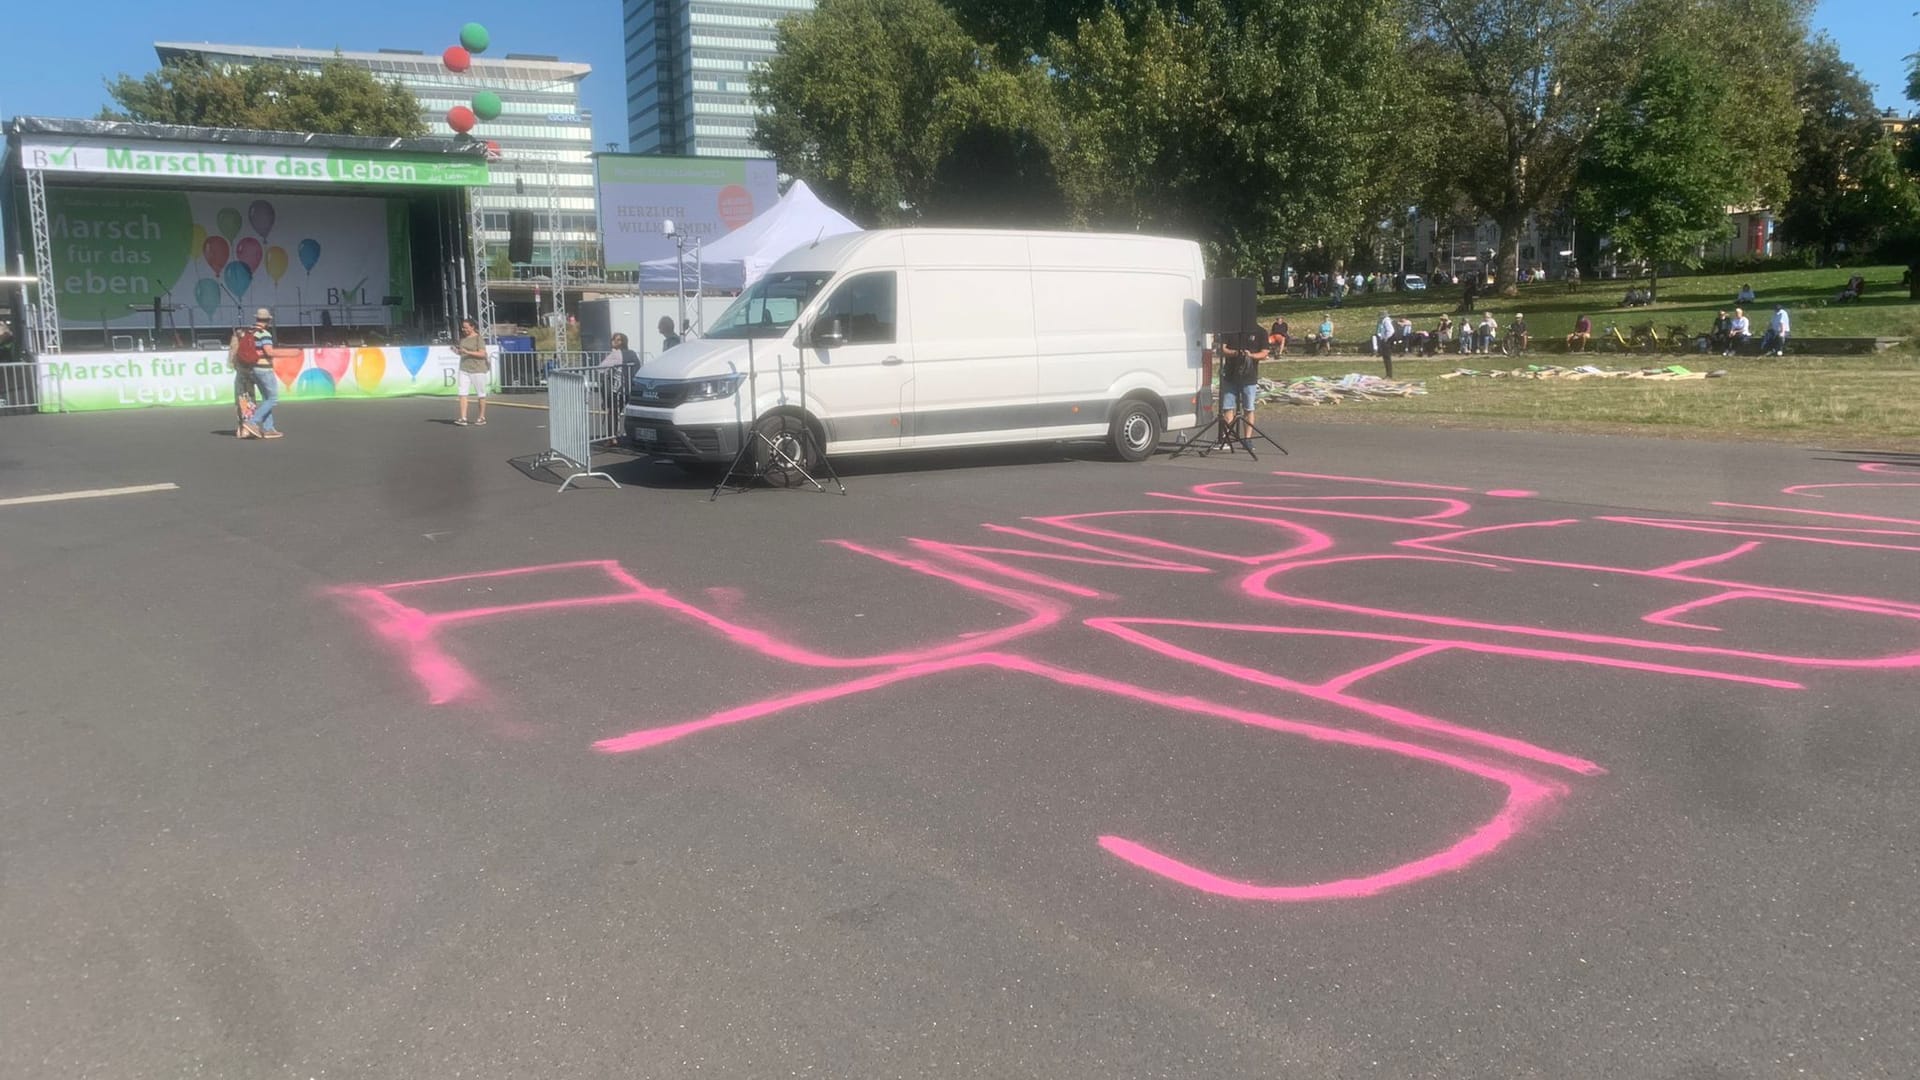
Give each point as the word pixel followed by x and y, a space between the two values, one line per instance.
pixel 834 251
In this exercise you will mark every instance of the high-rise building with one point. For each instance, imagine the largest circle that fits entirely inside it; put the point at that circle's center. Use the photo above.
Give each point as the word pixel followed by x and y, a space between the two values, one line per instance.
pixel 688 66
pixel 545 137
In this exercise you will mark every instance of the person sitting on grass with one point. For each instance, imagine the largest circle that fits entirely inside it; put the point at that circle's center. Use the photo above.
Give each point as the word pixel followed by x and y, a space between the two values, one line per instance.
pixel 1323 340
pixel 1746 295
pixel 1738 332
pixel 1582 335
pixel 1277 335
pixel 1856 285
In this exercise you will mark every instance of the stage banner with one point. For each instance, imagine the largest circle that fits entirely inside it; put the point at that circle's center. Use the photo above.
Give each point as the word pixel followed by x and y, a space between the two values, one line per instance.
pixel 705 198
pixel 213 258
pixel 98 382
pixel 210 161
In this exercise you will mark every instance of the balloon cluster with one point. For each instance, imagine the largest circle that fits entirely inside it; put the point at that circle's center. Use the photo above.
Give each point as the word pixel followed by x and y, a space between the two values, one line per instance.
pixel 235 259
pixel 458 59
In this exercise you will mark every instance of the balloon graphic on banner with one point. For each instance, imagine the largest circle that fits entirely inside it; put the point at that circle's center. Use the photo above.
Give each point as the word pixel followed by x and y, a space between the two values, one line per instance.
pixel 486 105
pixel 369 366
pixel 214 250
pixel 460 118
pixel 333 362
pixel 199 241
pixel 276 262
pixel 309 253
pixel 314 383
pixel 415 358
pixel 248 252
pixel 474 37
pixel 228 220
pixel 206 293
pixel 238 278
pixel 457 59
pixel 287 364
pixel 260 216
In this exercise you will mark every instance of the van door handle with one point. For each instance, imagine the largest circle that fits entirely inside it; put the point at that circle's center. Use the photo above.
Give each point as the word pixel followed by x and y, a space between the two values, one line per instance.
pixel 892 361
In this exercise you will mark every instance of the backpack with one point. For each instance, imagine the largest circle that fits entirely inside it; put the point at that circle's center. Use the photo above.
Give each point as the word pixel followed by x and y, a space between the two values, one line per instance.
pixel 247 352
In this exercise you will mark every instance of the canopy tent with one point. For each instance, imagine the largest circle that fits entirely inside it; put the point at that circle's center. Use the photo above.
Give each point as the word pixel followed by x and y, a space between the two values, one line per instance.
pixel 737 259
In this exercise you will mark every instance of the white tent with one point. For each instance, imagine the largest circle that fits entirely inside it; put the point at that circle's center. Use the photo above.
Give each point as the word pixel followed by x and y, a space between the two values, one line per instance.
pixel 737 259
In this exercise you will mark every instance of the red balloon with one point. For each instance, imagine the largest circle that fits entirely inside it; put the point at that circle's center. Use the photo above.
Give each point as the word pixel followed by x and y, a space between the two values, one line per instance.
pixel 460 118
pixel 215 251
pixel 456 58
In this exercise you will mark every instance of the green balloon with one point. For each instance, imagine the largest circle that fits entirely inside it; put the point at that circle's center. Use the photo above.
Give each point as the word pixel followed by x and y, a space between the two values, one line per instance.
pixel 473 38
pixel 486 105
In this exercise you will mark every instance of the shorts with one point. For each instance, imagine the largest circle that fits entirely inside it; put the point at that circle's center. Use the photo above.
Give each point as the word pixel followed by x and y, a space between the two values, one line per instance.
pixel 472 382
pixel 1239 397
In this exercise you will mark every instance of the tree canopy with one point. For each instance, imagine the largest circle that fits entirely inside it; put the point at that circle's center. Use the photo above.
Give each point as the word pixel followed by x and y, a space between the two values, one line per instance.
pixel 339 99
pixel 1303 128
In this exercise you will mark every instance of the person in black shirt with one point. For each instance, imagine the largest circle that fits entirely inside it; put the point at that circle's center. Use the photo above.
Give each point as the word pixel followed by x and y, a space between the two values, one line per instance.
pixel 1239 381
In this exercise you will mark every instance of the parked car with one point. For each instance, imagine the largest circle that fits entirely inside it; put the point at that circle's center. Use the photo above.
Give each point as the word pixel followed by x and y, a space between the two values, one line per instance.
pixel 1415 283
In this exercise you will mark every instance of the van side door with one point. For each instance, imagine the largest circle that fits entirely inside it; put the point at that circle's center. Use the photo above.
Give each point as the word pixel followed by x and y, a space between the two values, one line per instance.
pixel 976 379
pixel 858 363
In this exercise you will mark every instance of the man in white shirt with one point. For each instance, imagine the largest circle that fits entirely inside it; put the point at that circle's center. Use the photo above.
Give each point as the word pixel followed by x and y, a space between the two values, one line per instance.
pixel 1778 330
pixel 1739 332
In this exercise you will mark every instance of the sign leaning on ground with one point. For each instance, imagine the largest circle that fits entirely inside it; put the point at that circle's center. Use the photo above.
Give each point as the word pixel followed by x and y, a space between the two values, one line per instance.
pixel 146 158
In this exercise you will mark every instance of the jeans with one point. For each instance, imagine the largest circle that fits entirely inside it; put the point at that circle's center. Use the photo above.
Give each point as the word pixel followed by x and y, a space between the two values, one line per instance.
pixel 269 397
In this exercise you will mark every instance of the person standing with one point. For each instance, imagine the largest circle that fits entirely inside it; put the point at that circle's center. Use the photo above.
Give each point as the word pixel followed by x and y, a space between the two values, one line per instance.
pixel 254 351
pixel 1239 382
pixel 1778 329
pixel 244 398
pixel 474 373
pixel 668 338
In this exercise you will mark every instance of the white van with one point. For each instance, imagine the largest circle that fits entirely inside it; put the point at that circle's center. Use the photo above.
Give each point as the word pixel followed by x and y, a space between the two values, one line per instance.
pixel 926 338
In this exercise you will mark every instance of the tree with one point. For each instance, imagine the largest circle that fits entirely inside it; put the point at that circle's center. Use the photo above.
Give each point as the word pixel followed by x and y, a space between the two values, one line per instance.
pixel 338 99
pixel 1657 171
pixel 1256 125
pixel 1018 30
pixel 851 91
pixel 990 154
pixel 1847 188
pixel 1526 80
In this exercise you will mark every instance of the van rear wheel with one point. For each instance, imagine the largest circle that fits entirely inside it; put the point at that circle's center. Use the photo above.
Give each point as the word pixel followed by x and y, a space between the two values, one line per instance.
pixel 784 450
pixel 1135 433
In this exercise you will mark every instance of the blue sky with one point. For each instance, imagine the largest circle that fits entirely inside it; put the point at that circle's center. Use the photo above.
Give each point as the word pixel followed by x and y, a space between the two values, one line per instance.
pixel 55 56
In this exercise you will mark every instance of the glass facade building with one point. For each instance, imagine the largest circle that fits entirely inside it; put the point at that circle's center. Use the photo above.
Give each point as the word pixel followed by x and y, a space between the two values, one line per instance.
pixel 545 137
pixel 688 66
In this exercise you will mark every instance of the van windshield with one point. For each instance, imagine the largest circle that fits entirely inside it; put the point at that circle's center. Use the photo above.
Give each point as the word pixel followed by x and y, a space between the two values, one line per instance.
pixel 769 307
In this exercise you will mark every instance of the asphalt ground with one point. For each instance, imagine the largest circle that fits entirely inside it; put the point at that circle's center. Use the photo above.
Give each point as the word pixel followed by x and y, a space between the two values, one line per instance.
pixel 368 754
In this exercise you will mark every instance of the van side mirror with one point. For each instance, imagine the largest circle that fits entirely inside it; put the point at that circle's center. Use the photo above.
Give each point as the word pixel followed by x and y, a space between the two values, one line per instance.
pixel 830 333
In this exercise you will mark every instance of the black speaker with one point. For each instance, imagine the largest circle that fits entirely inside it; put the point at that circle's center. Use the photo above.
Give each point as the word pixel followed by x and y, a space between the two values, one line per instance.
pixel 1228 305
pixel 520 236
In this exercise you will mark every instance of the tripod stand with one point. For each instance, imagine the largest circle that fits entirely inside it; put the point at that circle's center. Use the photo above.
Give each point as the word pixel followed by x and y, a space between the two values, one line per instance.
pixel 1198 442
pixel 784 449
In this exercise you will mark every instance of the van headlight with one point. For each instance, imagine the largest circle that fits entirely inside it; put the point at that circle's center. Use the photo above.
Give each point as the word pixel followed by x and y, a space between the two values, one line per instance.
pixel 712 389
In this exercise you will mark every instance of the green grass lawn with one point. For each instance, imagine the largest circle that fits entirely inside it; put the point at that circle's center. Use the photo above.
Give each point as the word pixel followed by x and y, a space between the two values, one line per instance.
pixel 1551 310
pixel 1869 402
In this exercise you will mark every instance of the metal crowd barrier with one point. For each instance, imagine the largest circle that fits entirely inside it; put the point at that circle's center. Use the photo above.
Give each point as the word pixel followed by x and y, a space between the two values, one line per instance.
pixel 22 391
pixel 526 372
pixel 584 406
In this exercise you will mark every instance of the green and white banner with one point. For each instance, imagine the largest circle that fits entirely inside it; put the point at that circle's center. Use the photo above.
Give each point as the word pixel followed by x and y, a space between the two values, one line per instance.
pixel 214 257
pixel 96 382
pixel 216 161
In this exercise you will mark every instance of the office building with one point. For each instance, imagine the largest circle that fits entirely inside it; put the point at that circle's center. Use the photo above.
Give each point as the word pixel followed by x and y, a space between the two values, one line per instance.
pixel 689 63
pixel 545 137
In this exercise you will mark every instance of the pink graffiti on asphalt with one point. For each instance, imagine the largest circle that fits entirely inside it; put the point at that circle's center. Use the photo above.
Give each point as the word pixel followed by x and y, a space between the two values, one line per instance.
pixel 1062 574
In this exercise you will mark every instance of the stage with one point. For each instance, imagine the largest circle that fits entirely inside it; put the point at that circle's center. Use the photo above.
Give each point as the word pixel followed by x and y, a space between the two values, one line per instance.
pixel 148 244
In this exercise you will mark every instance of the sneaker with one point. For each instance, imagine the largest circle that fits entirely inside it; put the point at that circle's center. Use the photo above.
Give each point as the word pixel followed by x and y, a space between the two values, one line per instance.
pixel 460 422
pixel 252 429
pixel 240 431
pixel 480 422
pixel 273 434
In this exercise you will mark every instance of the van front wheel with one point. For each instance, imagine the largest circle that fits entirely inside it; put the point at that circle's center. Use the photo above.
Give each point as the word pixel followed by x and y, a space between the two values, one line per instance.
pixel 785 452
pixel 1136 431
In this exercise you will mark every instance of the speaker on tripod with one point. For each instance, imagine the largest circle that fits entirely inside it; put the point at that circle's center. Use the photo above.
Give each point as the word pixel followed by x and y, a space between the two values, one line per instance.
pixel 1227 306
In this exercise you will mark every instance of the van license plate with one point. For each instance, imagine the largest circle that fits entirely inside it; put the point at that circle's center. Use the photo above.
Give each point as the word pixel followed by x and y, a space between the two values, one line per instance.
pixel 646 434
